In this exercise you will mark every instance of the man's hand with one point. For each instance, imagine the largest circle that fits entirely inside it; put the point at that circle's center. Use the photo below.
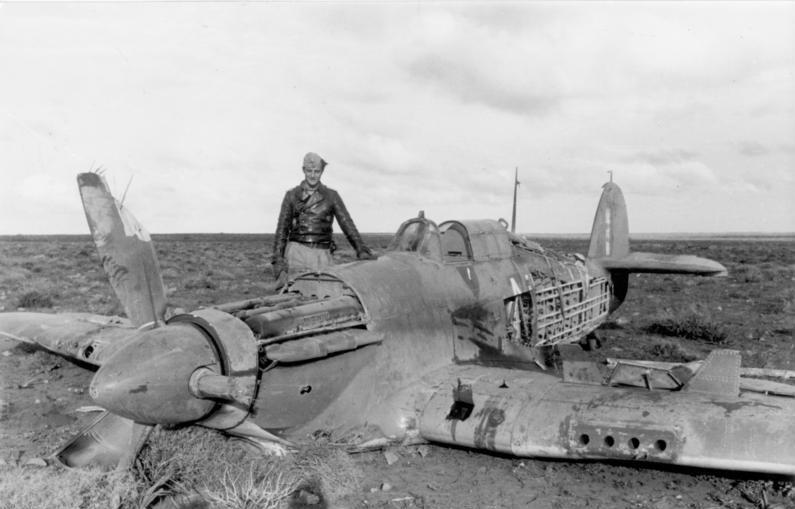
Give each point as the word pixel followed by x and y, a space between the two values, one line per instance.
pixel 365 254
pixel 279 268
pixel 281 279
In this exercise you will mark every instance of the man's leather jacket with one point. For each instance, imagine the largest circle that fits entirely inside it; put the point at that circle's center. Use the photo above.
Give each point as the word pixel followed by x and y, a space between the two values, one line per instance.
pixel 307 217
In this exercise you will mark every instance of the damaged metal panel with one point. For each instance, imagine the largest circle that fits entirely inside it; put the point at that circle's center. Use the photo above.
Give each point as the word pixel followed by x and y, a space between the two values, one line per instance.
pixel 532 414
pixel 719 375
pixel 345 309
pixel 609 439
pixel 316 347
pixel 565 311
pixel 487 424
pixel 645 377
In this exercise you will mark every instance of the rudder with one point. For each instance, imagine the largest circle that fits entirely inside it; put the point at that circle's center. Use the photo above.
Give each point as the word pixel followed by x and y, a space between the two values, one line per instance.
pixel 610 231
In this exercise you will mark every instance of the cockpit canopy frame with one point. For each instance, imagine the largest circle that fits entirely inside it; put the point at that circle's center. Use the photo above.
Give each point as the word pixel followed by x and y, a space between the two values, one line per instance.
pixel 454 241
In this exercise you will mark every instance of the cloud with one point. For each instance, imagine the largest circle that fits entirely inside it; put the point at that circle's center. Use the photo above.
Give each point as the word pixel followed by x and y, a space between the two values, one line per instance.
pixel 472 85
pixel 426 106
pixel 478 62
pixel 663 157
pixel 752 149
pixel 759 149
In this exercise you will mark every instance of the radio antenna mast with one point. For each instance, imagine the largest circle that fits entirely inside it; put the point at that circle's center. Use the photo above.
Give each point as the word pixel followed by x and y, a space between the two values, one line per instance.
pixel 515 186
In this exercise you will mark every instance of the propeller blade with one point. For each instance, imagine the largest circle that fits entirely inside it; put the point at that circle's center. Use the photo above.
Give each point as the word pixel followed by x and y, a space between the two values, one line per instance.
pixel 126 251
pixel 110 442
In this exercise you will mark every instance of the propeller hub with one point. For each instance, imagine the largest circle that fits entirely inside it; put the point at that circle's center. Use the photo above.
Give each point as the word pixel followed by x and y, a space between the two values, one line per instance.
pixel 148 380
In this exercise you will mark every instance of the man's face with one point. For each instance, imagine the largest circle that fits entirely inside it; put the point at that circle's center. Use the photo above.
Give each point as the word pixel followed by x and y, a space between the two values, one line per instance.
pixel 312 175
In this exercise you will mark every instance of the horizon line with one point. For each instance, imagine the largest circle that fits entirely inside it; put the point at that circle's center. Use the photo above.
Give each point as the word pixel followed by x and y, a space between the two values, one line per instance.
pixel 534 234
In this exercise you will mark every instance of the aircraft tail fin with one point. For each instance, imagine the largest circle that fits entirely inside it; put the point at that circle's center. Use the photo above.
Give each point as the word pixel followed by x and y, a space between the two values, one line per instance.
pixel 610 244
pixel 610 231
pixel 126 251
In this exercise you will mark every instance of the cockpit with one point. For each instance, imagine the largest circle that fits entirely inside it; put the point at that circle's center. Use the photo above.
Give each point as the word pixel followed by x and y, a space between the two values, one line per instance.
pixel 454 241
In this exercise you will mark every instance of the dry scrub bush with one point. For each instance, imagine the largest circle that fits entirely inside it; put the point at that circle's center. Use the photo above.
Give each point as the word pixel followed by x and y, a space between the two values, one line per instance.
pixel 56 487
pixel 9 274
pixel 34 299
pixel 747 274
pixel 691 326
pixel 228 473
pixel 200 283
pixel 670 352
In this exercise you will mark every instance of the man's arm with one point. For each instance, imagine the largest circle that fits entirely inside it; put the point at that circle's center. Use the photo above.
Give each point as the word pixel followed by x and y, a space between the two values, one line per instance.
pixel 349 228
pixel 282 233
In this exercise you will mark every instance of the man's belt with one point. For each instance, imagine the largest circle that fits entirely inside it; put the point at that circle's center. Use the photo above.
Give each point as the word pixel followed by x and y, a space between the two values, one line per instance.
pixel 316 245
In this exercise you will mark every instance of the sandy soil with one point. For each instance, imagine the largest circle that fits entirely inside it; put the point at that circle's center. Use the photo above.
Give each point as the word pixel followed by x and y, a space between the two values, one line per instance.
pixel 42 394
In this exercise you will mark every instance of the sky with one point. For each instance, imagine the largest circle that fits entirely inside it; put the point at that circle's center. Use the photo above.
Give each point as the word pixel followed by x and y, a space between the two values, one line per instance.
pixel 199 113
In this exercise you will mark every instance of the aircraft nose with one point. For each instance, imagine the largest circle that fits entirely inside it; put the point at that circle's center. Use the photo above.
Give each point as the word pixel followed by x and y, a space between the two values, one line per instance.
pixel 148 379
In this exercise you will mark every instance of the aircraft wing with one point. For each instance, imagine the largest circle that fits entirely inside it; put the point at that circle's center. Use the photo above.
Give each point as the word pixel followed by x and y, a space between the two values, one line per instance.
pixel 659 419
pixel 82 336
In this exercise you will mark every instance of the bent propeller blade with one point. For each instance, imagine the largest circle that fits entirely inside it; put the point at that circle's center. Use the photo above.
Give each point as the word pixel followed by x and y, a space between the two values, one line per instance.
pixel 110 442
pixel 126 251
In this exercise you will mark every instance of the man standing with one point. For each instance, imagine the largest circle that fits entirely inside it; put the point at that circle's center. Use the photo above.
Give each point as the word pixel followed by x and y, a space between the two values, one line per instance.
pixel 303 240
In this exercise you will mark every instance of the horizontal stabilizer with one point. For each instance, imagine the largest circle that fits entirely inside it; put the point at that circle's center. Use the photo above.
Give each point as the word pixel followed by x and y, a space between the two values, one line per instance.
pixel 664 264
pixel 81 336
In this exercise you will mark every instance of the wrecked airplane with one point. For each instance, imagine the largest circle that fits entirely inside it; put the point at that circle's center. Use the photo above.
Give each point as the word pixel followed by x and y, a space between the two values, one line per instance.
pixel 459 333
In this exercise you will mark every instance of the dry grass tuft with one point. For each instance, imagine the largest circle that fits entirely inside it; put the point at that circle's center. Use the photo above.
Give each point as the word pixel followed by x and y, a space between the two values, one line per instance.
pixel 56 487
pixel 251 487
pixel 332 470
pixel 34 299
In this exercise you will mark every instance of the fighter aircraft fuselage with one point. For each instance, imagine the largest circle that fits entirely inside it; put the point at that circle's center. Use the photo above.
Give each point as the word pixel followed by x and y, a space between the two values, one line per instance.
pixel 459 333
pixel 433 311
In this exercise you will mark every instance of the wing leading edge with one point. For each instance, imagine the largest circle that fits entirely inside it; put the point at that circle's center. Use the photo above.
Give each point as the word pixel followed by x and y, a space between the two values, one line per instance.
pixel 80 336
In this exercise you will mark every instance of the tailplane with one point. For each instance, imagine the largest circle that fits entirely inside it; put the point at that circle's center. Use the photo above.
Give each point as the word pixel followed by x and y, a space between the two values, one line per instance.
pixel 610 244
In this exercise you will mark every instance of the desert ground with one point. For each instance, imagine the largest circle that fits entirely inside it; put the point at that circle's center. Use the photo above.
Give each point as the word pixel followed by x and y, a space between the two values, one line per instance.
pixel 672 318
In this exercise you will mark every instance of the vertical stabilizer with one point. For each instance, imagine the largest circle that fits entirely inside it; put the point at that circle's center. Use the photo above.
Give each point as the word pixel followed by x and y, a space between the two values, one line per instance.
pixel 610 232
